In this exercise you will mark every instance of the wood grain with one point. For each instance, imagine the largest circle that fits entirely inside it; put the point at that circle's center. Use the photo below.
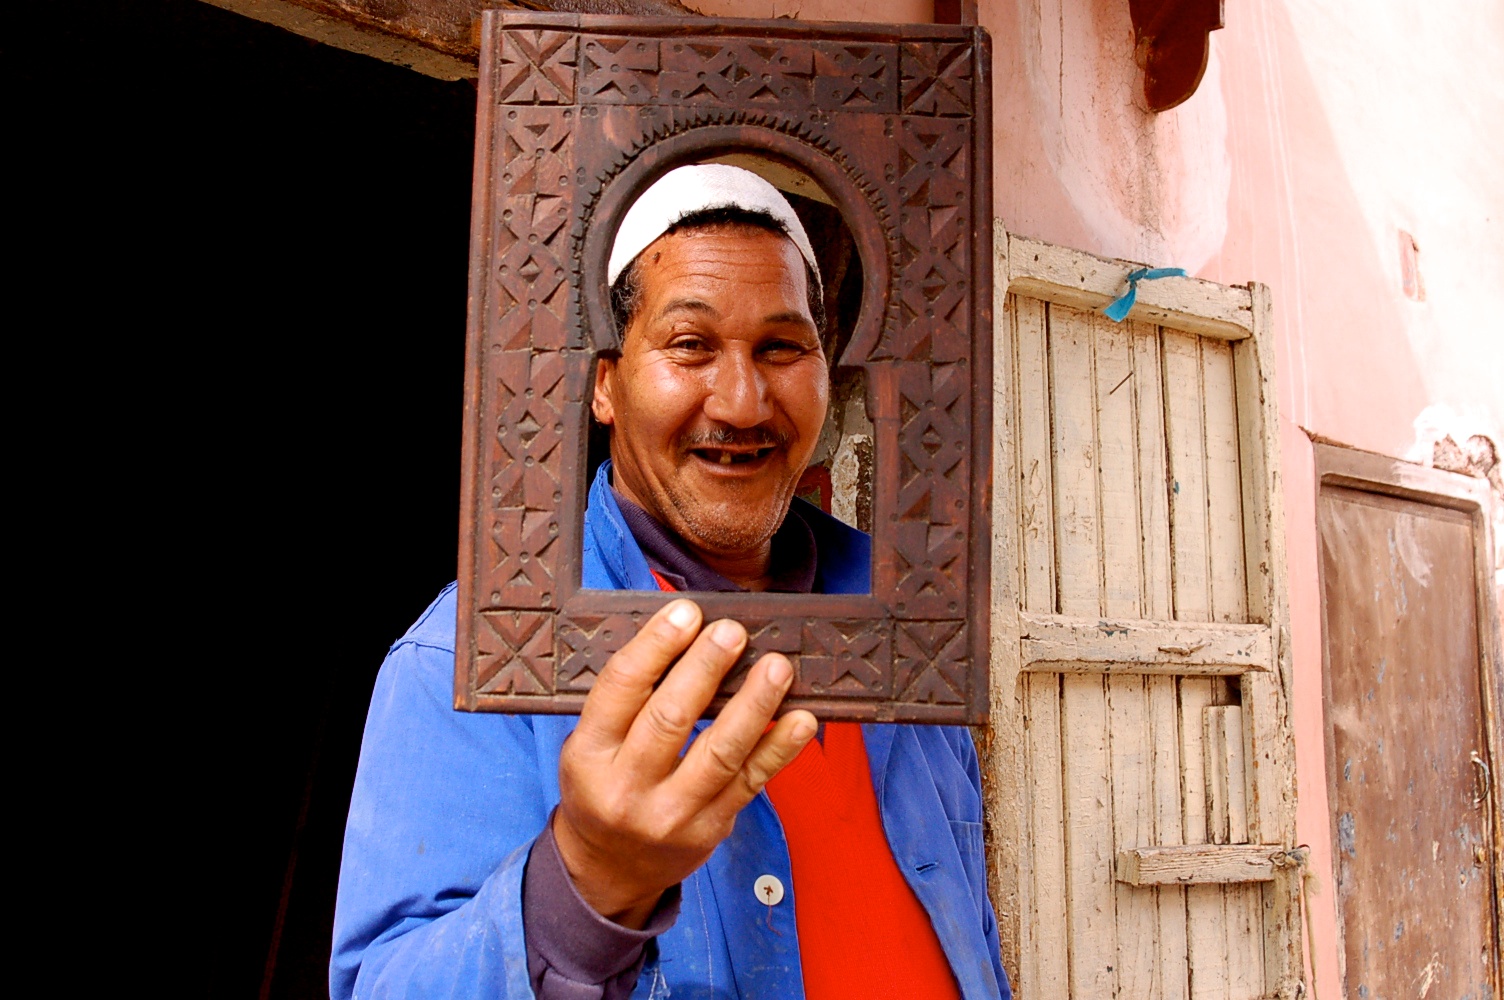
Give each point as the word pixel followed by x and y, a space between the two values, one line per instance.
pixel 1084 281
pixel 1196 864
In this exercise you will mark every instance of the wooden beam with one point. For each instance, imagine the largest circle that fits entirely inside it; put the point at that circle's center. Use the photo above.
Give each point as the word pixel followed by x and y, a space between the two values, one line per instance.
pixel 1085 281
pixel 1198 864
pixel 434 37
pixel 1098 645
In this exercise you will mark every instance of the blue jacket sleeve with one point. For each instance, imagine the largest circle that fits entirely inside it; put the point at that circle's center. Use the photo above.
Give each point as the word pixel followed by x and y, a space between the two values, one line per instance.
pixel 974 857
pixel 445 807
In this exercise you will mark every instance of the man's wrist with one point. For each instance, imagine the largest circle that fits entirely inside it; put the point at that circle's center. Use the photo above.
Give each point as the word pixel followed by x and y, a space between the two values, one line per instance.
pixel 610 895
pixel 568 942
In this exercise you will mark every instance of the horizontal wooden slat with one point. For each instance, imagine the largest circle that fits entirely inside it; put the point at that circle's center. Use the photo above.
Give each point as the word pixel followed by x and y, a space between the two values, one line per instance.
pixel 1084 281
pixel 1099 645
pixel 1198 864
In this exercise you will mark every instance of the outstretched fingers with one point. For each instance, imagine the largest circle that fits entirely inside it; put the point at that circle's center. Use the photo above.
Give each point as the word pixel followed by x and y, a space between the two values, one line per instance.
pixel 738 749
pixel 665 722
pixel 626 682
pixel 775 751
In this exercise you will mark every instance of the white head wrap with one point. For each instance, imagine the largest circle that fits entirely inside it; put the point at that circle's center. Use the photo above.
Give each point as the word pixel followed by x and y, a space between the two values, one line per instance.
pixel 694 188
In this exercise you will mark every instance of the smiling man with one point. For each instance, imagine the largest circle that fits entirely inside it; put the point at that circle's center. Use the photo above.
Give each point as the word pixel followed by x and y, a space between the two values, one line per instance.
pixel 635 851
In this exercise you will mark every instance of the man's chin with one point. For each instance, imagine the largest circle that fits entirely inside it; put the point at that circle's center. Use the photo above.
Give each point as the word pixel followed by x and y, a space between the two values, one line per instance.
pixel 728 521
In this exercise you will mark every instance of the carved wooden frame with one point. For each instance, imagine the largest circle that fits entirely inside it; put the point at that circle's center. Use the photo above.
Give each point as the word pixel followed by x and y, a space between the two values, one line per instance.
pixel 577 115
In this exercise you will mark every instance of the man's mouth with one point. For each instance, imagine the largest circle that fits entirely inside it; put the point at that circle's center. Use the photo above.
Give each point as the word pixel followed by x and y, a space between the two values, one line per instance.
pixel 732 456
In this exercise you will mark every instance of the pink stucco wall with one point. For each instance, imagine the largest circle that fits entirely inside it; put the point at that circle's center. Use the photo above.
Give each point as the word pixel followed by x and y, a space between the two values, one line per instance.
pixel 1322 129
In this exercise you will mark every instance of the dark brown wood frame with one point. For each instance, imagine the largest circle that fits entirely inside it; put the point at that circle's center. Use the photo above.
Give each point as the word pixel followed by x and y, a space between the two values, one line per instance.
pixel 579 114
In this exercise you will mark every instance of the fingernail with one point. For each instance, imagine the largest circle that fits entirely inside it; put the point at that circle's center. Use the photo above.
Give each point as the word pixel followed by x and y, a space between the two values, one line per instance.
pixel 682 614
pixel 803 731
pixel 779 672
pixel 726 634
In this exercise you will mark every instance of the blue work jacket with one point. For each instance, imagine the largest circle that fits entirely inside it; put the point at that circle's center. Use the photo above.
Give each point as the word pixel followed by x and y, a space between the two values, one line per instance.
pixel 446 805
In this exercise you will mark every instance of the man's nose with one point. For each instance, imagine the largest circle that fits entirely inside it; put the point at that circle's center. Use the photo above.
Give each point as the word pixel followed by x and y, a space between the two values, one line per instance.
pixel 738 392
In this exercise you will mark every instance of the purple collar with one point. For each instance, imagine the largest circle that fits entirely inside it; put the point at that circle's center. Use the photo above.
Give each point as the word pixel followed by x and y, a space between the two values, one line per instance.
pixel 793 556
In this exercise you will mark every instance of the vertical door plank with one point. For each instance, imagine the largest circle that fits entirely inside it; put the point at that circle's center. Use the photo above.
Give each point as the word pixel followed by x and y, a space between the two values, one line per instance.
pixel 1185 433
pixel 1122 596
pixel 1245 942
pixel 1044 970
pixel 1157 603
pixel 1206 936
pixel 1195 699
pixel 1036 503
pixel 1000 745
pixel 1077 536
pixel 1227 802
pixel 1092 913
pixel 1117 465
pixel 1154 505
pixel 1214 726
pixel 1206 943
pixel 1266 732
pixel 1089 854
pixel 1271 750
pixel 1224 488
pixel 1169 828
pixel 1132 825
pixel 1190 552
pixel 1229 603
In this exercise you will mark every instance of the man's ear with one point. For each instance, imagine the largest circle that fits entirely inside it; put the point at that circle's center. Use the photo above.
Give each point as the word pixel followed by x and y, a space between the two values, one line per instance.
pixel 601 403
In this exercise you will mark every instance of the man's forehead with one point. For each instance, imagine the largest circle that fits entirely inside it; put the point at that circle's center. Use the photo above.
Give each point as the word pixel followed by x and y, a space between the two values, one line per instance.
pixel 741 246
pixel 694 271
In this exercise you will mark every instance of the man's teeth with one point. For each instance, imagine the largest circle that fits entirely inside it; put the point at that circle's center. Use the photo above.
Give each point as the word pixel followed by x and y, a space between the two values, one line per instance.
pixel 722 456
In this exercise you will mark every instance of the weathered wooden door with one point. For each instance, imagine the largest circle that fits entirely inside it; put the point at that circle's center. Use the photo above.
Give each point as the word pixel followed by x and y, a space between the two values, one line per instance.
pixel 1141 751
pixel 1410 758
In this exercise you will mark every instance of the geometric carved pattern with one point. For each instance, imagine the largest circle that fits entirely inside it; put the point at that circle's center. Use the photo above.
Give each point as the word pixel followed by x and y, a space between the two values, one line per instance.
pixel 578 112
pixel 929 540
pixel 530 236
pixel 780 635
pixel 524 487
pixel 619 70
pixel 845 657
pixel 933 189
pixel 933 485
pixel 585 644
pixel 937 78
pixel 511 651
pixel 536 67
pixel 738 74
pixel 931 661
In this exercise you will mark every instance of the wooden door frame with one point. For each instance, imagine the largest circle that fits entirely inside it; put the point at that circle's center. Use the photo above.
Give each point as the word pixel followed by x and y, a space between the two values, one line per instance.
pixel 1364 471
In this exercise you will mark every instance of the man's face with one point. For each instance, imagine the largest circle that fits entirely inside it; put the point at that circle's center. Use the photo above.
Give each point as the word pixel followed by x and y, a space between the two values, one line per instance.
pixel 717 399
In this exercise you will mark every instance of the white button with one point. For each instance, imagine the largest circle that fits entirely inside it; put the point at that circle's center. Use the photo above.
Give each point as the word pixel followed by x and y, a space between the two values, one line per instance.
pixel 768 889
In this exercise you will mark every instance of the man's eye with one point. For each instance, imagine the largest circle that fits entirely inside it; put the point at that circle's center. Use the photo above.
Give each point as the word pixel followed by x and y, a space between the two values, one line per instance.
pixel 688 344
pixel 783 349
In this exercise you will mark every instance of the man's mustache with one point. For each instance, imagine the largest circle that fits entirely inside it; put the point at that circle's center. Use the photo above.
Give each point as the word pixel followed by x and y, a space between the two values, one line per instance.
pixel 736 437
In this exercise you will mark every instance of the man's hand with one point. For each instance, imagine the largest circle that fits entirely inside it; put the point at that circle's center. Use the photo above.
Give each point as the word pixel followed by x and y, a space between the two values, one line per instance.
pixel 635 819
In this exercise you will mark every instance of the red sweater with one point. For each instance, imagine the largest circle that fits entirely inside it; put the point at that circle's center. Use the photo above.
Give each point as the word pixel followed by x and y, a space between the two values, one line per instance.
pixel 863 934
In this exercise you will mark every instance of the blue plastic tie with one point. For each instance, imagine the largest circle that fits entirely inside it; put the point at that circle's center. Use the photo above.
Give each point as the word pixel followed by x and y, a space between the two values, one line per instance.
pixel 1117 311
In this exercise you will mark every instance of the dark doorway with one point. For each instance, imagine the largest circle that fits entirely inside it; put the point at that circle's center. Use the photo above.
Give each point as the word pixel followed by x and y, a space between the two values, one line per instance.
pixel 255 252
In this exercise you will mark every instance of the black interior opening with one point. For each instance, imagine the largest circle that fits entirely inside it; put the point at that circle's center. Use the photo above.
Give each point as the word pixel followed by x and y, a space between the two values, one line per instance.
pixel 261 244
